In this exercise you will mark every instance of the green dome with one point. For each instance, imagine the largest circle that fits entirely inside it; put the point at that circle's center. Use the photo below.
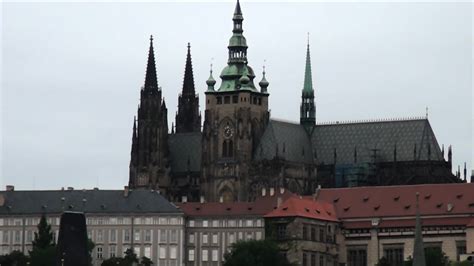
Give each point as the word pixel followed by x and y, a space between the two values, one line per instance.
pixel 235 70
pixel 237 40
pixel 244 80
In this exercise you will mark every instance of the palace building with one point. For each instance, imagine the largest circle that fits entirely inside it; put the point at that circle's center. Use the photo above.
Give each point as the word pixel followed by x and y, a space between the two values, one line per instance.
pixel 238 148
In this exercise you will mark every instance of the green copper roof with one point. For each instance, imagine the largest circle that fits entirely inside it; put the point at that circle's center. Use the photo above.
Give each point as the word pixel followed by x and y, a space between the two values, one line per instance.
pixel 237 75
pixel 308 79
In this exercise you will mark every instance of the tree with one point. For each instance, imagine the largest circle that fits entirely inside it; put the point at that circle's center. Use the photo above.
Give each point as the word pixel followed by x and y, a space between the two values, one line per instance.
pixel 146 261
pixel 130 257
pixel 90 248
pixel 255 253
pixel 112 262
pixel 44 248
pixel 15 258
pixel 44 236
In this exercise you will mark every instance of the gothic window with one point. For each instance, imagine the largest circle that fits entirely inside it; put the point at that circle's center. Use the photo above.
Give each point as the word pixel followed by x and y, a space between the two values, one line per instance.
pixel 219 100
pixel 228 148
pixel 235 99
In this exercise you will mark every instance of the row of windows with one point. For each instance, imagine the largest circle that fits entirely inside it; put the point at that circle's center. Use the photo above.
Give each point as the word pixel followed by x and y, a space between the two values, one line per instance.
pixel 97 221
pixel 319 233
pixel 226 223
pixel 230 236
pixel 16 237
pixel 316 259
pixel 164 252
pixel 27 221
pixel 164 236
pixel 136 221
pixel 204 255
pixel 235 99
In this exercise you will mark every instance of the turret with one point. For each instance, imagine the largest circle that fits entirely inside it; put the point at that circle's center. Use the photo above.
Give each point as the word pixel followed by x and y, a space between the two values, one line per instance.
pixel 263 83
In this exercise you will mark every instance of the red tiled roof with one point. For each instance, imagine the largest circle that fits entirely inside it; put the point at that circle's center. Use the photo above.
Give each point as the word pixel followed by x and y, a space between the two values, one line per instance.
pixel 261 206
pixel 444 221
pixel 400 201
pixel 302 207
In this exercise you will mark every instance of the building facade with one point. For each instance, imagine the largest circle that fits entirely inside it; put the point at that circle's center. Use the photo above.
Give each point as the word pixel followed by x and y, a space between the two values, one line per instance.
pixel 379 222
pixel 240 149
pixel 116 221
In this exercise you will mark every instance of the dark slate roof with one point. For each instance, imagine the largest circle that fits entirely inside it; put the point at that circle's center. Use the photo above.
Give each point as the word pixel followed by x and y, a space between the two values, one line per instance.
pixel 380 135
pixel 290 140
pixel 97 201
pixel 185 148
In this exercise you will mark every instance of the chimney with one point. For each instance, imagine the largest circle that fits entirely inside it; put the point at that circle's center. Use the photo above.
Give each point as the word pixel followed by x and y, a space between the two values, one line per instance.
pixel 282 190
pixel 221 199
pixel 126 191
pixel 184 199
pixel 70 188
pixel 10 188
pixel 316 193
pixel 264 192
pixel 272 191
pixel 201 199
pixel 279 201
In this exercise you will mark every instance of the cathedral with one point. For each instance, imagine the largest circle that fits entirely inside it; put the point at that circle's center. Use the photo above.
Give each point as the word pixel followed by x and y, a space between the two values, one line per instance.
pixel 238 149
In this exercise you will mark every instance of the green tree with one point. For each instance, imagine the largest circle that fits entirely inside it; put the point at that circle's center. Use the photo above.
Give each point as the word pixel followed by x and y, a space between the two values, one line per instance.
pixel 44 236
pixel 44 248
pixel 255 253
pixel 16 258
pixel 112 262
pixel 130 257
pixel 90 248
pixel 146 261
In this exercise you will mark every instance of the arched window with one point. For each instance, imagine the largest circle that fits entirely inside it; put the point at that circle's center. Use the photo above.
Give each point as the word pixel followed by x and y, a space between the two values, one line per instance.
pixel 228 148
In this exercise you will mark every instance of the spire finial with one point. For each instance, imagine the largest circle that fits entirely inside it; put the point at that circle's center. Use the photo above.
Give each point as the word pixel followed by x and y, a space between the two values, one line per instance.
pixel 308 79
pixel 426 112
pixel 308 38
pixel 188 82
pixel 151 81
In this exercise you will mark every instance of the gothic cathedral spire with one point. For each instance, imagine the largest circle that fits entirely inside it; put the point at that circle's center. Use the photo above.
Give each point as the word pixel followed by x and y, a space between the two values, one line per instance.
pixel 151 82
pixel 188 118
pixel 308 109
pixel 150 134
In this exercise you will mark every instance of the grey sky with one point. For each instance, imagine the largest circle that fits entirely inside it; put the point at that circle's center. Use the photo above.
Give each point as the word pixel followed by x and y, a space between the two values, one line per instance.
pixel 72 73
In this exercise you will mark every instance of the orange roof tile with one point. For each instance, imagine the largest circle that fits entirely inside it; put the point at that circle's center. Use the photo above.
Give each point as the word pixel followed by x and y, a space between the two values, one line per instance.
pixel 303 207
pixel 400 201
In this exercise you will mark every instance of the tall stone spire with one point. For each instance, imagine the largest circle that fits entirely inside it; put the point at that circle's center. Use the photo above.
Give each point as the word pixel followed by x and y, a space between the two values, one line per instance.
pixel 418 249
pixel 188 82
pixel 308 109
pixel 188 118
pixel 151 82
pixel 308 78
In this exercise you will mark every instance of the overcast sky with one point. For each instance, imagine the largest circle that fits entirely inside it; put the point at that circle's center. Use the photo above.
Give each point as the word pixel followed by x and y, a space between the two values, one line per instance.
pixel 72 73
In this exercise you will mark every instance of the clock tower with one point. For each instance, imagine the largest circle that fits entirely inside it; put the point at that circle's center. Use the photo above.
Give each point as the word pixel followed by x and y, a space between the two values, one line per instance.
pixel 236 115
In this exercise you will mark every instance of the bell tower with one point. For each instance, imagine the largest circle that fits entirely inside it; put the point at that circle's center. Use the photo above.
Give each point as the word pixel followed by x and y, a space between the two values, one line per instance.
pixel 236 115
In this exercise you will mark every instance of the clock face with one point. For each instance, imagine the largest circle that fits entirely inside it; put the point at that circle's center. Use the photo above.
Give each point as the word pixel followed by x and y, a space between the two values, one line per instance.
pixel 228 132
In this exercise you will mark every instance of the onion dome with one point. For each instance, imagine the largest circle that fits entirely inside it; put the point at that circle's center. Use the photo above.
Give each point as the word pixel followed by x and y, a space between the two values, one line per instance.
pixel 244 79
pixel 210 82
pixel 263 83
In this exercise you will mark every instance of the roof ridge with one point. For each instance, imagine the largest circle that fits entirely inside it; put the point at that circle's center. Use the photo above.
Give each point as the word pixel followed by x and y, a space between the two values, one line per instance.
pixel 375 120
pixel 399 186
pixel 285 121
